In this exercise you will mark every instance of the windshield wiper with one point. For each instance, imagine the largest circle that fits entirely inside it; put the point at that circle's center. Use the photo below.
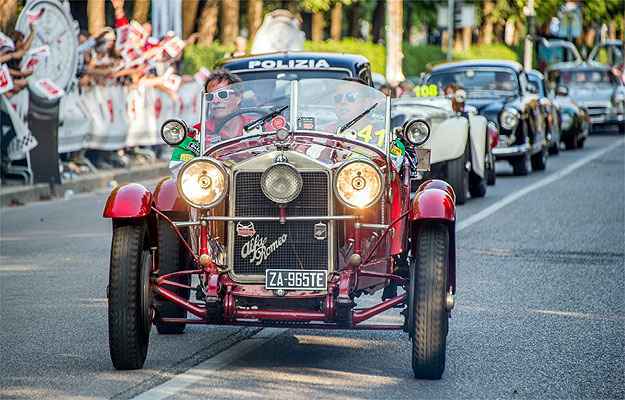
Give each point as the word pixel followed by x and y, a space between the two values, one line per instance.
pixel 355 119
pixel 262 120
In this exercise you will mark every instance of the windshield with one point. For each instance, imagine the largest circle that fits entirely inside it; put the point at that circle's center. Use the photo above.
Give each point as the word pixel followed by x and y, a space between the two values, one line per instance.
pixel 330 106
pixel 343 108
pixel 586 77
pixel 477 82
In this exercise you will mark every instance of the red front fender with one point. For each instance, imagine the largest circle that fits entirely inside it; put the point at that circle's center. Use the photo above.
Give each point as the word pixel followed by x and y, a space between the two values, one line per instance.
pixel 433 203
pixel 128 201
pixel 166 197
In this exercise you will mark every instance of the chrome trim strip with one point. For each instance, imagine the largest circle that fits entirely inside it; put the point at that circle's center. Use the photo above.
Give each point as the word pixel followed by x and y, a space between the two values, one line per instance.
pixel 358 225
pixel 185 224
pixel 294 104
pixel 307 218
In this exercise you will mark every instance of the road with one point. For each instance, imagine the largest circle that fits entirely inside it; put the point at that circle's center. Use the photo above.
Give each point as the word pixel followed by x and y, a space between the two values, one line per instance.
pixel 539 314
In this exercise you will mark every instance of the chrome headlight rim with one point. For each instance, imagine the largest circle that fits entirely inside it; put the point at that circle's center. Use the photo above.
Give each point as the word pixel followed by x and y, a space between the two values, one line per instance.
pixel 183 126
pixel 413 123
pixel 503 120
pixel 294 195
pixel 375 168
pixel 221 169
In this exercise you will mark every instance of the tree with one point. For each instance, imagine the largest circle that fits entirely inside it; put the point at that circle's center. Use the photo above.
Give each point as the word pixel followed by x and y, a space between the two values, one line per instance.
pixel 189 16
pixel 378 21
pixel 394 28
pixel 230 21
pixel 140 10
pixel 8 13
pixel 318 23
pixel 254 17
pixel 336 21
pixel 354 19
pixel 96 16
pixel 208 22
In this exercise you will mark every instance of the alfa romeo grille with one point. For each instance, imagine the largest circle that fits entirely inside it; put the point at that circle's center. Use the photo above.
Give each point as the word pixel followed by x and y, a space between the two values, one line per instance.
pixel 291 245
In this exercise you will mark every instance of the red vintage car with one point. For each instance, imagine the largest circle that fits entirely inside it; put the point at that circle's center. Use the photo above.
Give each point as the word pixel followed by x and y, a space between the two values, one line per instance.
pixel 297 203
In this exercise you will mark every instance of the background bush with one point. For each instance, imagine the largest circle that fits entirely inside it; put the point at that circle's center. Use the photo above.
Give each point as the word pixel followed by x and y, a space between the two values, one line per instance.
pixel 198 56
pixel 376 53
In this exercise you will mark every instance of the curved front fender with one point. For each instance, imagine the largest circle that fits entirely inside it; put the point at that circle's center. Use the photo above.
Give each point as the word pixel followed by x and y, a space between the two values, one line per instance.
pixel 128 201
pixel 433 203
pixel 166 196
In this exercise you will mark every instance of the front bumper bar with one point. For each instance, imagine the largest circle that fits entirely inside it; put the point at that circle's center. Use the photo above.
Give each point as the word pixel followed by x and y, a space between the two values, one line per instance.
pixel 503 153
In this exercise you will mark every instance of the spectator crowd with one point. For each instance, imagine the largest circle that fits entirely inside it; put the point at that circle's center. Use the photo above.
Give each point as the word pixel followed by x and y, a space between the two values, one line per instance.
pixel 124 57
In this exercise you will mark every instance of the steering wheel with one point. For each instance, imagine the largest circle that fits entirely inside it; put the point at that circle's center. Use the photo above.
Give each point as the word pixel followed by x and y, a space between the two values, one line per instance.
pixel 235 114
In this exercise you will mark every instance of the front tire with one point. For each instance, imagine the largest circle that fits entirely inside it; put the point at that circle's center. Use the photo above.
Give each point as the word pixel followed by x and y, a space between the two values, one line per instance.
pixel 129 295
pixel 520 165
pixel 428 278
pixel 539 160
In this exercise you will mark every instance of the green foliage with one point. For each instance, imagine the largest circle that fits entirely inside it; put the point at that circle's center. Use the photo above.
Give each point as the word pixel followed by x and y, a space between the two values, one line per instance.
pixel 417 59
pixel 376 53
pixel 494 51
pixel 198 56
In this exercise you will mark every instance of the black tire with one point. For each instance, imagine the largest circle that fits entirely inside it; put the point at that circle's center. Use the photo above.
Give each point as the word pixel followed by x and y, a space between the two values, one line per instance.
pixel 129 295
pixel 171 259
pixel 554 149
pixel 477 185
pixel 429 292
pixel 539 160
pixel 571 143
pixel 458 176
pixel 520 165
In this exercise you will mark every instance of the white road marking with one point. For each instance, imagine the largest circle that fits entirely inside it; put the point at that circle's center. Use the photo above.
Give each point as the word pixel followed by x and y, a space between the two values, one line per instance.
pixel 511 198
pixel 206 370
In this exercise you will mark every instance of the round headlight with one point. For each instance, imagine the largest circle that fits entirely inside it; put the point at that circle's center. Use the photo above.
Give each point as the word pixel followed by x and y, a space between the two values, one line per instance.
pixel 174 131
pixel 202 182
pixel 509 118
pixel 281 183
pixel 358 184
pixel 417 131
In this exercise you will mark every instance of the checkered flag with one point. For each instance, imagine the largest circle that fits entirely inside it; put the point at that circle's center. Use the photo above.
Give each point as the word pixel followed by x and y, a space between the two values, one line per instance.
pixel 20 145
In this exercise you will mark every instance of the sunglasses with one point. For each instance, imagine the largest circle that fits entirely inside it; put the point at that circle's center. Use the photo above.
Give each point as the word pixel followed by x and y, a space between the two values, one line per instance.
pixel 222 95
pixel 349 97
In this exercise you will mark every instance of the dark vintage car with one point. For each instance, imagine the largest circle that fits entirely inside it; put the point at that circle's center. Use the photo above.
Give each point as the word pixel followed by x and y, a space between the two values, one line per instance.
pixel 296 203
pixel 568 123
pixel 498 89
pixel 300 65
pixel 593 86
pixel 537 85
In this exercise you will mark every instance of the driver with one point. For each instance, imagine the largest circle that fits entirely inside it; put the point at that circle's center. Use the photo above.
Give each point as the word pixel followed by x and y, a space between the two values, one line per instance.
pixel 223 101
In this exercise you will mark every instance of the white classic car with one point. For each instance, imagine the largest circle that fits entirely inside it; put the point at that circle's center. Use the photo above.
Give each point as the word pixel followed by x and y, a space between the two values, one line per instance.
pixel 459 142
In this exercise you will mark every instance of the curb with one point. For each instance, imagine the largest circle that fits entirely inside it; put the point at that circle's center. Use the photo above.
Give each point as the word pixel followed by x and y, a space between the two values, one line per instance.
pixel 19 195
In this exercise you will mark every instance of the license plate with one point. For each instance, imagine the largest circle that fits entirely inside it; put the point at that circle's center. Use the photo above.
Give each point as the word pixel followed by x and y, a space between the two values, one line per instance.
pixel 290 279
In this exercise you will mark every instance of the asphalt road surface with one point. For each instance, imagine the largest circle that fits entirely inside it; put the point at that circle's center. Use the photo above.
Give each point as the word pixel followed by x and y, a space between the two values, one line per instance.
pixel 540 308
